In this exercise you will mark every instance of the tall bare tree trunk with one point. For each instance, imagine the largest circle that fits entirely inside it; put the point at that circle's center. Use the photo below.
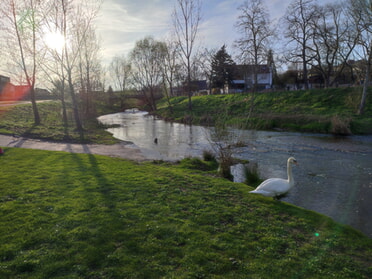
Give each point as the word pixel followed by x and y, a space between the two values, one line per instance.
pixel 30 79
pixel 366 83
pixel 75 105
pixel 186 19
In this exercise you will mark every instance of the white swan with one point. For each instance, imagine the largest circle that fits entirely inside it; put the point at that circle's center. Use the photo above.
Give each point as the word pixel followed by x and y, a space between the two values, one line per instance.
pixel 274 187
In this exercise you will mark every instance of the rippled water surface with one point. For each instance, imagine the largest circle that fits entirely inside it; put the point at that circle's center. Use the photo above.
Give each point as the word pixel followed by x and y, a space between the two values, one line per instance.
pixel 334 176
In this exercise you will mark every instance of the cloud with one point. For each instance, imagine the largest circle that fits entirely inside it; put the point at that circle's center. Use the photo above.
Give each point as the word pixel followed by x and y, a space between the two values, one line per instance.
pixel 277 8
pixel 217 27
pixel 122 23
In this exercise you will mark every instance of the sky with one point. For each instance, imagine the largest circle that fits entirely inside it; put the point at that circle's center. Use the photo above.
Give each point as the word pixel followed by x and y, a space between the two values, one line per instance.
pixel 123 22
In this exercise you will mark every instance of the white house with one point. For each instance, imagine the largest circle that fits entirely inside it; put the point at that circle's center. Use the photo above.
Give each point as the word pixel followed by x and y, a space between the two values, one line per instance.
pixel 244 78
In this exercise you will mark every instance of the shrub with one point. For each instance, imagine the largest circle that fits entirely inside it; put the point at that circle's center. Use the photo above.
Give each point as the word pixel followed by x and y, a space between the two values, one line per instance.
pixel 187 119
pixel 252 175
pixel 208 156
pixel 340 126
pixel 361 125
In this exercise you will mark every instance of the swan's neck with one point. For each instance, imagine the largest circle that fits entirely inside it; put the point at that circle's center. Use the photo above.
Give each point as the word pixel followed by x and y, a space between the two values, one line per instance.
pixel 289 172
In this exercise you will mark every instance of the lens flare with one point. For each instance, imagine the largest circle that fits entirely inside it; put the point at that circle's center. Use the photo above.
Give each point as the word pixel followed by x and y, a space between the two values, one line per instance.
pixel 10 94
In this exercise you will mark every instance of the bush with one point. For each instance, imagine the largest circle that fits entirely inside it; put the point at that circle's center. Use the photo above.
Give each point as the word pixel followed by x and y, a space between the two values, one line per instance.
pixel 252 175
pixel 361 126
pixel 340 126
pixel 208 156
pixel 197 164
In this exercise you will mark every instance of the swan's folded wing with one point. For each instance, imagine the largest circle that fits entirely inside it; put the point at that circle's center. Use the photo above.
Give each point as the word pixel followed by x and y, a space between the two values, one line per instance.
pixel 274 185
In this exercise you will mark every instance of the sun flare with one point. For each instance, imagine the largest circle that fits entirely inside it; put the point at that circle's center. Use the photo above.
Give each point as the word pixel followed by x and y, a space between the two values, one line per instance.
pixel 55 41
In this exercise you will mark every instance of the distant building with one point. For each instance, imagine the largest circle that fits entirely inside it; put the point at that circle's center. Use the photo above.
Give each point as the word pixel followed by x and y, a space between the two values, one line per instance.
pixel 11 92
pixel 244 78
pixel 3 81
pixel 199 87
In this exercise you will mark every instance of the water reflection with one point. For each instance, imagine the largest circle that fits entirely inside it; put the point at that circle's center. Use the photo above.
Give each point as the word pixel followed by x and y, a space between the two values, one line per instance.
pixel 334 176
pixel 174 140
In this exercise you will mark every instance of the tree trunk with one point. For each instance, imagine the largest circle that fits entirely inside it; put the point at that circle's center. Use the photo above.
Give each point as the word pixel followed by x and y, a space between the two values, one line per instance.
pixel 152 97
pixel 63 103
pixel 304 70
pixel 64 112
pixel 167 95
pixel 34 106
pixel 75 106
pixel 30 83
pixel 189 83
pixel 365 87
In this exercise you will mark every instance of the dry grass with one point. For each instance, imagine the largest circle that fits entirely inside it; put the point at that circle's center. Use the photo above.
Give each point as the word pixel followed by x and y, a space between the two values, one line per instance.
pixel 340 125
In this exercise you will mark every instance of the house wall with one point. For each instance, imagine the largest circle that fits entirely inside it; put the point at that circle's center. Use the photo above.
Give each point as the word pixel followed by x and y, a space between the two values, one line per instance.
pixel 8 92
pixel 263 80
pixel 3 81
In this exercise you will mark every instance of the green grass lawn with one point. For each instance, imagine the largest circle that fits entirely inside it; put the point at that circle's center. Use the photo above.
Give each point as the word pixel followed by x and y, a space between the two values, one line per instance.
pixel 19 120
pixel 83 216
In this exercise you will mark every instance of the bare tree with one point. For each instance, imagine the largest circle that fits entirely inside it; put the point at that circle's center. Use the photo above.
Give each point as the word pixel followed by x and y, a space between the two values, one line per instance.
pixel 186 20
pixel 333 42
pixel 205 64
pixel 89 68
pixel 361 12
pixel 299 30
pixel 170 69
pixel 75 21
pixel 254 26
pixel 120 69
pixel 54 60
pixel 23 20
pixel 146 59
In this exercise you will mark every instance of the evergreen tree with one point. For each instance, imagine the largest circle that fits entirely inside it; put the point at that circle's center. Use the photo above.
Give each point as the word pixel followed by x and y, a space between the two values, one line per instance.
pixel 222 69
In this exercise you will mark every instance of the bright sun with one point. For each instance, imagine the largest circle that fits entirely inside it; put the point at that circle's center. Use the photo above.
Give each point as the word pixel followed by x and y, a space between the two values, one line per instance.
pixel 55 41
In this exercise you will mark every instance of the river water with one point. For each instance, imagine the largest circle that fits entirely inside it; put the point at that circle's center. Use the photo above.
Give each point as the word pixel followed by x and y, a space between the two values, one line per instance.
pixel 334 175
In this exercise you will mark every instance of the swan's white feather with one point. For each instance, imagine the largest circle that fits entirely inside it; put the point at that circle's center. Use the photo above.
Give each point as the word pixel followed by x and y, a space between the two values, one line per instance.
pixel 262 192
pixel 274 187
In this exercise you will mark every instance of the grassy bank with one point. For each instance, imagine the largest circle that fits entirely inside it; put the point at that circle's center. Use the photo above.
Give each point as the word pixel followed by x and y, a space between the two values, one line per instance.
pixel 86 216
pixel 321 111
pixel 19 120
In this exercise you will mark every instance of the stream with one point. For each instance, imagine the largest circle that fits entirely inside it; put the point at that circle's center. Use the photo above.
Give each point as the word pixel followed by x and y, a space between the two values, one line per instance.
pixel 334 175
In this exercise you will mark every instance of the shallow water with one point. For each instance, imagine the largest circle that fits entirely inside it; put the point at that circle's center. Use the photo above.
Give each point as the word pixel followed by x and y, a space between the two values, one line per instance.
pixel 334 176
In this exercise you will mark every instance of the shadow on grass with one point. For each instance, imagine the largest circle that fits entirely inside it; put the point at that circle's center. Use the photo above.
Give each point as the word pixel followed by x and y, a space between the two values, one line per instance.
pixel 101 215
